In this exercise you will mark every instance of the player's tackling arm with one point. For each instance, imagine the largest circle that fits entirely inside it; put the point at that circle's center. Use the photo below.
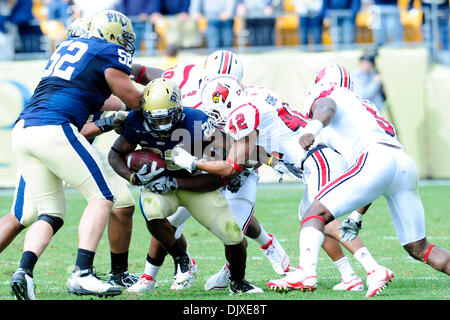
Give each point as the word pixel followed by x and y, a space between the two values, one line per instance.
pixel 121 86
pixel 322 112
pixel 143 75
pixel 239 153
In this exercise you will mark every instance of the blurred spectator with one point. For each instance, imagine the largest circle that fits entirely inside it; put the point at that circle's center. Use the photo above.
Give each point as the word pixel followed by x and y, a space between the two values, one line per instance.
pixel 260 17
pixel 311 14
pixel 139 12
pixel 442 21
pixel 367 81
pixel 87 8
pixel 386 22
pixel 29 31
pixel 342 14
pixel 6 32
pixel 171 57
pixel 220 16
pixel 181 30
pixel 60 10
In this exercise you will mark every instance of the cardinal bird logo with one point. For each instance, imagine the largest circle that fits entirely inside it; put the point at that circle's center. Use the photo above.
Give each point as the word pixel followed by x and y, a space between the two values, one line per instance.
pixel 221 91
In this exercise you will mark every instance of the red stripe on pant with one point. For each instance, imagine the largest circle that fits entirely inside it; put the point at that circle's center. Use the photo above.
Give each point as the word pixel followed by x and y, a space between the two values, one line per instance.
pixel 345 175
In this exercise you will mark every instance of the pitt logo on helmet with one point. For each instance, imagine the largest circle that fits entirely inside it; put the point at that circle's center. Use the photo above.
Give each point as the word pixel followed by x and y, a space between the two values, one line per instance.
pixel 221 92
pixel 115 27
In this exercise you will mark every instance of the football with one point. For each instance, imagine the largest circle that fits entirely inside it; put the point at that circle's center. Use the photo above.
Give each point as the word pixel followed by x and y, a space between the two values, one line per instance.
pixel 136 159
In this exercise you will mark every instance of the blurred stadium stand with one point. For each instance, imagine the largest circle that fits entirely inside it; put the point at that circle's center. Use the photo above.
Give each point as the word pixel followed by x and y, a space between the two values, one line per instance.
pixel 39 36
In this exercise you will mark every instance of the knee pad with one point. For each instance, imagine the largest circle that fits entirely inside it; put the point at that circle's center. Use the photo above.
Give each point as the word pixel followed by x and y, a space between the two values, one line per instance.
pixel 55 222
pixel 156 206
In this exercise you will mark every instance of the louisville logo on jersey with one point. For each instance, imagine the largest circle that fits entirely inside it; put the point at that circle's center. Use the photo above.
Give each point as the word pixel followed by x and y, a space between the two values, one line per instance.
pixel 220 92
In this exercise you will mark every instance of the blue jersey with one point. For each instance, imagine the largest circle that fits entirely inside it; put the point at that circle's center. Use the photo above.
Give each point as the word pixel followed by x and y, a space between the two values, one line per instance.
pixel 192 133
pixel 73 85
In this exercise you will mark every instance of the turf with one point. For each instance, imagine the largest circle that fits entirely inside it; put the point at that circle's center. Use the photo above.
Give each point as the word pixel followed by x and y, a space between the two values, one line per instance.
pixel 276 209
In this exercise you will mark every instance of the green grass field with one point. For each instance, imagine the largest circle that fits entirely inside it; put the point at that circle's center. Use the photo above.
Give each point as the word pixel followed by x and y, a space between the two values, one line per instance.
pixel 276 209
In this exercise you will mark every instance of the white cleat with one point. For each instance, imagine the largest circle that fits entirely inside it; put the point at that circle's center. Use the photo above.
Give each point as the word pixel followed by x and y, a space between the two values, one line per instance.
pixel 192 276
pixel 295 280
pixel 145 283
pixel 220 280
pixel 354 284
pixel 276 255
pixel 377 280
pixel 84 282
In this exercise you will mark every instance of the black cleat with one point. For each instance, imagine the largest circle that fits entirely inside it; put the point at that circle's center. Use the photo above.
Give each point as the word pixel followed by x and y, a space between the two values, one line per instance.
pixel 123 279
pixel 22 285
pixel 243 286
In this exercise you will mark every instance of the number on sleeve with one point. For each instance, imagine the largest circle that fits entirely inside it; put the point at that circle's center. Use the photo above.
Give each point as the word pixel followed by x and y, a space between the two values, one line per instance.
pixel 292 119
pixel 383 123
pixel 125 58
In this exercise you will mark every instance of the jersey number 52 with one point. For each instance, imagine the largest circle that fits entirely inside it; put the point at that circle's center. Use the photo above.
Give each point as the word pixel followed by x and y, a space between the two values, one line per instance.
pixel 61 63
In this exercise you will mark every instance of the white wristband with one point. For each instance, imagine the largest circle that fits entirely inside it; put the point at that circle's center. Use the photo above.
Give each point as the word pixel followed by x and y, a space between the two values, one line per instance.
pixel 356 216
pixel 313 127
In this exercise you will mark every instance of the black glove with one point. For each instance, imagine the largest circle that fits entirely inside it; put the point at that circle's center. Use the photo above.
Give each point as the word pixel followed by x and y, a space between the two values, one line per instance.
pixel 105 124
pixel 237 182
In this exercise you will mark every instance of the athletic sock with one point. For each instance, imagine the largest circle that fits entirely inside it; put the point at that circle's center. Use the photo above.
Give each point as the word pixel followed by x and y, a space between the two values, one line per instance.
pixel 176 250
pixel 365 258
pixel 85 259
pixel 310 240
pixel 119 262
pixel 264 238
pixel 345 268
pixel 152 267
pixel 28 262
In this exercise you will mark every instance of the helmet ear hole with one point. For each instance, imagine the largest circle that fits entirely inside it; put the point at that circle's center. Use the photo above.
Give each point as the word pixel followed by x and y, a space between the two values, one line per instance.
pixel 229 105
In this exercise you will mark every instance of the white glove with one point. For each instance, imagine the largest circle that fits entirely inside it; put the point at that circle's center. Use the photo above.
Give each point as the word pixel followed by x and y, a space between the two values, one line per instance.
pixel 143 178
pixel 119 121
pixel 287 168
pixel 163 185
pixel 350 229
pixel 183 159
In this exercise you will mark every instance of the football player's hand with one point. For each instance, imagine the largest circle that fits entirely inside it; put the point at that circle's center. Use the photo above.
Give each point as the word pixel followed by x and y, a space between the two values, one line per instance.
pixel 119 121
pixel 289 169
pixel 184 159
pixel 349 229
pixel 162 185
pixel 144 176
pixel 237 182
pixel 306 140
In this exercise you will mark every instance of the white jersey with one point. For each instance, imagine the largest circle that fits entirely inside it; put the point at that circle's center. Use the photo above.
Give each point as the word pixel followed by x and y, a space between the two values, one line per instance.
pixel 278 126
pixel 188 77
pixel 355 125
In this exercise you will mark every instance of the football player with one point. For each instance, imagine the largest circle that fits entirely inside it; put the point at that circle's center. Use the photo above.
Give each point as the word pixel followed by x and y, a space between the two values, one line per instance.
pixel 380 167
pixel 190 78
pixel 321 163
pixel 24 212
pixel 162 124
pixel 80 75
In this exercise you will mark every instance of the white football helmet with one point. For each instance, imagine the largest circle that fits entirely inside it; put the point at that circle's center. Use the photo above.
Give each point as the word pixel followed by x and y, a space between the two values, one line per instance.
pixel 219 96
pixel 223 62
pixel 334 74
